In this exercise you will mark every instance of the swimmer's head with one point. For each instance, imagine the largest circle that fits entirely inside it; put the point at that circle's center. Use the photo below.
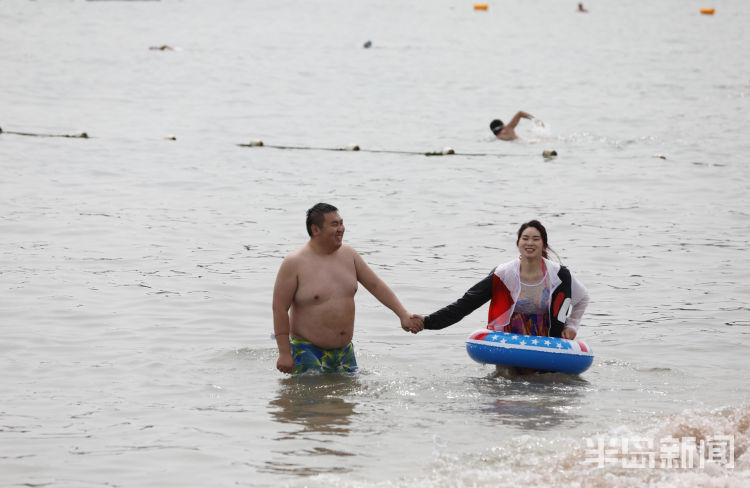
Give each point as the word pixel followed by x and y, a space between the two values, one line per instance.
pixel 496 126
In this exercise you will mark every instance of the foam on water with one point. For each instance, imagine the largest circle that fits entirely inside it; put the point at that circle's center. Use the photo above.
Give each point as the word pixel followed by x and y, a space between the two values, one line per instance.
pixel 532 461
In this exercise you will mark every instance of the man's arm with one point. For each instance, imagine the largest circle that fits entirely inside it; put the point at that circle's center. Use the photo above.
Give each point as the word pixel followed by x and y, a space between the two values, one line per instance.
pixel 517 118
pixel 380 290
pixel 283 295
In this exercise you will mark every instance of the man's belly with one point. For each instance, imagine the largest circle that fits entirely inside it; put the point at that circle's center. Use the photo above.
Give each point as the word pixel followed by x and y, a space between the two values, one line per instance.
pixel 328 325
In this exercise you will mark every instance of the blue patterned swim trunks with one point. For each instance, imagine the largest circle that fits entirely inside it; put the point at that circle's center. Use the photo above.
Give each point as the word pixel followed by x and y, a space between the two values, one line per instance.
pixel 309 357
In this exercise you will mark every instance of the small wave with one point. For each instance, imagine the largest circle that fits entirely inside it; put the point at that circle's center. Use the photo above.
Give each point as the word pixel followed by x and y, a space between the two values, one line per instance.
pixel 526 460
pixel 654 370
pixel 264 354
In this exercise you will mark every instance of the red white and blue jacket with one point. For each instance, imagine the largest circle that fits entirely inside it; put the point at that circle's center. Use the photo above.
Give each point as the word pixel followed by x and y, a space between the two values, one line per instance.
pixel 502 287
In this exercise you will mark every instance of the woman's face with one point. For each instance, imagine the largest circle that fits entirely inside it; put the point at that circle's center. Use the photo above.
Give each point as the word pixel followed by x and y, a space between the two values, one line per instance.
pixel 530 245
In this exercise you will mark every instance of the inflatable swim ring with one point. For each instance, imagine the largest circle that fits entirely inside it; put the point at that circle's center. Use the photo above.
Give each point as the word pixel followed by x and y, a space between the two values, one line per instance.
pixel 543 353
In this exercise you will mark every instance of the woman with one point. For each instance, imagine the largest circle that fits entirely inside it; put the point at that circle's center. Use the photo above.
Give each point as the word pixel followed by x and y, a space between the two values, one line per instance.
pixel 530 295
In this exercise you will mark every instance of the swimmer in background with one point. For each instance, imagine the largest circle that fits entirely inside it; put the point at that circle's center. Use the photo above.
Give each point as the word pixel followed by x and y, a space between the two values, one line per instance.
pixel 581 9
pixel 506 132
pixel 313 298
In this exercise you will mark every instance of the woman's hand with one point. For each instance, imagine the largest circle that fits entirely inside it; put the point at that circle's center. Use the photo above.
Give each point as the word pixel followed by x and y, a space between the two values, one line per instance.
pixel 569 333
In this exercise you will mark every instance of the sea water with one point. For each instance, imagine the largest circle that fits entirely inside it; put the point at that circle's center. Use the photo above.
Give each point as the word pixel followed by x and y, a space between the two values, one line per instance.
pixel 137 265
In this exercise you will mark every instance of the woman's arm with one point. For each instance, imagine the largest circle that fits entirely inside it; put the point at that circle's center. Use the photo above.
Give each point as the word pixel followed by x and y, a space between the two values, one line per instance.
pixel 474 298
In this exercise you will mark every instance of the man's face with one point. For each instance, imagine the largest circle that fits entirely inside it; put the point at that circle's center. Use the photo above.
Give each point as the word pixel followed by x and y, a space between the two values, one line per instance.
pixel 332 230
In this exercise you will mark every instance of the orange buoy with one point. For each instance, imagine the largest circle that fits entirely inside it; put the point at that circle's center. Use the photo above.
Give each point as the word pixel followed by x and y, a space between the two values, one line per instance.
pixel 708 11
pixel 480 6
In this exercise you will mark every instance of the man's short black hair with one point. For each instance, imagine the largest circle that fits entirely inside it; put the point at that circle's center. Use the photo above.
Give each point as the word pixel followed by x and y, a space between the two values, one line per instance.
pixel 316 215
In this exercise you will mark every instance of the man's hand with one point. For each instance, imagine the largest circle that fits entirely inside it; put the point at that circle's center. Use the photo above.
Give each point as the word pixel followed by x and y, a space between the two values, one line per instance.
pixel 569 333
pixel 285 363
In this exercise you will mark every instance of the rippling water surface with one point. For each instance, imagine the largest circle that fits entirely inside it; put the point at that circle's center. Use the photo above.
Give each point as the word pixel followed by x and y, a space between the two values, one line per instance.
pixel 136 271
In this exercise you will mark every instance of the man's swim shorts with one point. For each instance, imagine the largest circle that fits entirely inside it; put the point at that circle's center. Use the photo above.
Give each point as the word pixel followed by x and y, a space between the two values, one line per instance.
pixel 309 357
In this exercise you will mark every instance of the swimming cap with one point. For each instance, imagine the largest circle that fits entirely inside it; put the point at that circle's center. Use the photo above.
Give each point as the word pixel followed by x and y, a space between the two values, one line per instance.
pixel 496 126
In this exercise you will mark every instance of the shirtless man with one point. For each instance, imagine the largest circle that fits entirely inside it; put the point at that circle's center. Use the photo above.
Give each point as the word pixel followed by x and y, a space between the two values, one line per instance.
pixel 507 132
pixel 313 298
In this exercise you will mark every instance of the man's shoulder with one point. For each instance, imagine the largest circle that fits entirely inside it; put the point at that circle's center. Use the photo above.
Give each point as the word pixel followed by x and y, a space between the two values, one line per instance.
pixel 297 255
pixel 306 253
pixel 344 253
pixel 347 249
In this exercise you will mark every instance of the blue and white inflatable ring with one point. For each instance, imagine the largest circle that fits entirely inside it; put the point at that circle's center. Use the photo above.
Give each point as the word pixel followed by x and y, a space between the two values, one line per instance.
pixel 542 353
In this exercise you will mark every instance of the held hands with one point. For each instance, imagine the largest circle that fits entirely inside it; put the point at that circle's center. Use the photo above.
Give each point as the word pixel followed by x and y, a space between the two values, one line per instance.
pixel 413 324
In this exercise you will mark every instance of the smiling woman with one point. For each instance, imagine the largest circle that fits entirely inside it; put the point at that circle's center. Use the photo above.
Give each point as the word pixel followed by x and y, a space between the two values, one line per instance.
pixel 531 295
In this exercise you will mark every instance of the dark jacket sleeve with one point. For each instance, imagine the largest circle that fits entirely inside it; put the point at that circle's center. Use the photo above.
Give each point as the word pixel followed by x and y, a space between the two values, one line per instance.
pixel 477 296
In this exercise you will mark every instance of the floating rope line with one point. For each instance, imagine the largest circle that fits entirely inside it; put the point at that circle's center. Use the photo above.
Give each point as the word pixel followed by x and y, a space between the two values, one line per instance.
pixel 447 151
pixel 354 147
pixel 82 135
